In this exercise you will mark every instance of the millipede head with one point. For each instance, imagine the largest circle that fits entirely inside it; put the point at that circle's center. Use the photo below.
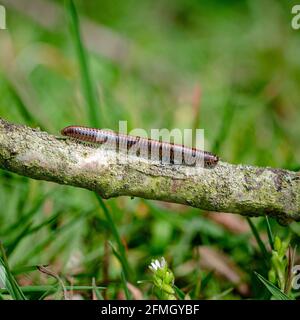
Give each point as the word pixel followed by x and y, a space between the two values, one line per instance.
pixel 65 131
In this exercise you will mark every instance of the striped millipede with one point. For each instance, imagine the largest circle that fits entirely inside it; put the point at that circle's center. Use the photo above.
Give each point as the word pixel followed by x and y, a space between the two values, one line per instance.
pixel 142 147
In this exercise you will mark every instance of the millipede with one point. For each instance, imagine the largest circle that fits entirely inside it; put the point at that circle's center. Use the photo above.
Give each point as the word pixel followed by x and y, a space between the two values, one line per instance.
pixel 143 147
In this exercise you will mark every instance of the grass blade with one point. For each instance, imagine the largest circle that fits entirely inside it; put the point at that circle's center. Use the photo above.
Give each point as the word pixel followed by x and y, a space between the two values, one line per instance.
pixel 52 288
pixel 180 294
pixel 270 233
pixel 228 114
pixel 86 79
pixel 276 292
pixel 29 230
pixel 96 291
pixel 124 281
pixel 260 243
pixel 222 294
pixel 8 280
pixel 50 238
pixel 115 233
pixel 27 216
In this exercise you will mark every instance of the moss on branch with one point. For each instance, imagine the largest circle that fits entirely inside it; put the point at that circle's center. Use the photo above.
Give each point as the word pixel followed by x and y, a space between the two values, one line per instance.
pixel 243 189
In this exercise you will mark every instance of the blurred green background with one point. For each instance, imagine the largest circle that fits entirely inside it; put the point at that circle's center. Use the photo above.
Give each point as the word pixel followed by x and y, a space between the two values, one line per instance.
pixel 230 67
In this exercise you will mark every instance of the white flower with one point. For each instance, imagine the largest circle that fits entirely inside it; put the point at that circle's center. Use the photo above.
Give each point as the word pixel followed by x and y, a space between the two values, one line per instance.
pixel 158 264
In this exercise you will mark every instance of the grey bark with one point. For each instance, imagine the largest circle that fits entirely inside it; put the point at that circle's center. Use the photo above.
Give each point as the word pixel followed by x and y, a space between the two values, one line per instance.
pixel 243 189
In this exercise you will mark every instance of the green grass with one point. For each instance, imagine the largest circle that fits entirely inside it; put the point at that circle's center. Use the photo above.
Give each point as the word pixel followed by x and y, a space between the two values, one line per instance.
pixel 276 293
pixel 244 58
pixel 7 279
pixel 86 79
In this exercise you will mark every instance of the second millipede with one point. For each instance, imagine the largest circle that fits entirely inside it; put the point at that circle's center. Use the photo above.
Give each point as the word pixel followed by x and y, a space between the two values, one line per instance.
pixel 163 151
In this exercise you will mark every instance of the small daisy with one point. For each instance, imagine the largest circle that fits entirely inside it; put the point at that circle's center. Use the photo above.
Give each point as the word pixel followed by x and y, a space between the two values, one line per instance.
pixel 158 264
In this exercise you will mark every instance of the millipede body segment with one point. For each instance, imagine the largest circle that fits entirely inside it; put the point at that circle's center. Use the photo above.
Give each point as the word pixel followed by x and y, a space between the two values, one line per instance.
pixel 142 147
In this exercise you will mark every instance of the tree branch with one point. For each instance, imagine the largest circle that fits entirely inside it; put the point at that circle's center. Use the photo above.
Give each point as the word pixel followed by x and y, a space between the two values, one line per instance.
pixel 247 190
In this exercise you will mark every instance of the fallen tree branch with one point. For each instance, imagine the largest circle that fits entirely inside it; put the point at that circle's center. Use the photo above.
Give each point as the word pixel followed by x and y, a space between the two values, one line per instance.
pixel 247 190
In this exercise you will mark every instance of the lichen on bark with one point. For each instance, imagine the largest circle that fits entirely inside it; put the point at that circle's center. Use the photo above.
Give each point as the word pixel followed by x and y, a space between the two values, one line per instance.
pixel 243 189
